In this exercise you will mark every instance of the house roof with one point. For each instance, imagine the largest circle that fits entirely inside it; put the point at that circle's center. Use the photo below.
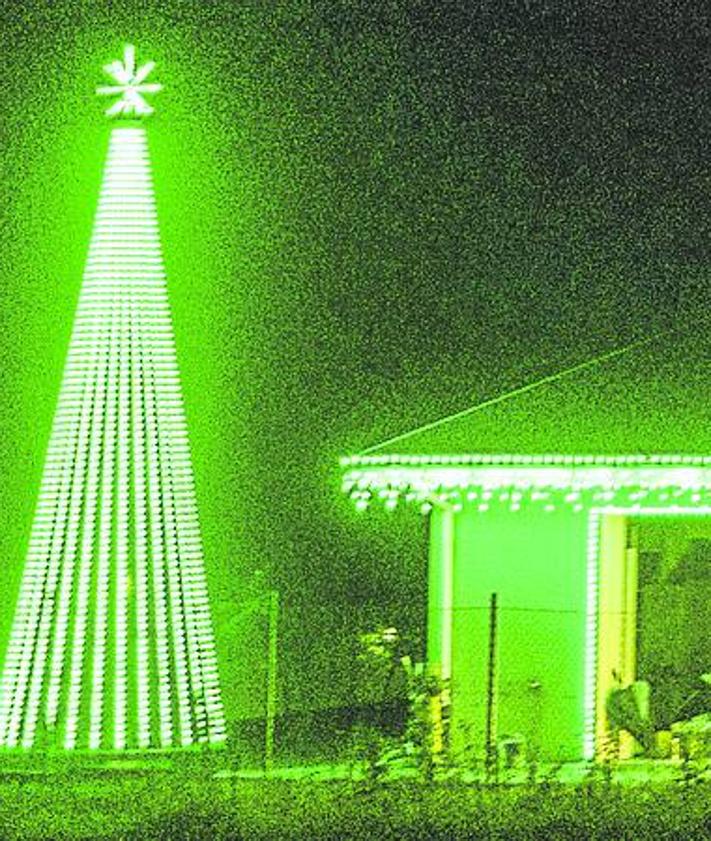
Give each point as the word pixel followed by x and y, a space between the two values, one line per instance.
pixel 652 398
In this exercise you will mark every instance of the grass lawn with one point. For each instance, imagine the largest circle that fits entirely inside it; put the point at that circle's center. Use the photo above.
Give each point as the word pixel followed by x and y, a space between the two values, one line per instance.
pixel 174 806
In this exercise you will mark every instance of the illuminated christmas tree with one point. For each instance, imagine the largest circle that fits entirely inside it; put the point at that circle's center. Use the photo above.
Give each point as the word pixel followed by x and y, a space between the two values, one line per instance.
pixel 111 645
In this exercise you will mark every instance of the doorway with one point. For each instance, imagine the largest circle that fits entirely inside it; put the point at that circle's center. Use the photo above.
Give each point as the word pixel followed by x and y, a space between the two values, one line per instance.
pixel 653 613
pixel 674 614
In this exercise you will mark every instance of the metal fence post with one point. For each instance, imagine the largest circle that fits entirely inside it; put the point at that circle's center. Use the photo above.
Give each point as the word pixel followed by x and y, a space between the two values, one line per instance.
pixel 272 653
pixel 492 764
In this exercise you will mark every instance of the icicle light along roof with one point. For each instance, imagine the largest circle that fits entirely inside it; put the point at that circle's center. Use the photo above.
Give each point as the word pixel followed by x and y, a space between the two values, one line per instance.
pixel 634 431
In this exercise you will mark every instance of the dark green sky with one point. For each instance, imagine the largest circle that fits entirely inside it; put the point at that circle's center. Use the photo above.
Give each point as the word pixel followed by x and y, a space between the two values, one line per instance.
pixel 373 214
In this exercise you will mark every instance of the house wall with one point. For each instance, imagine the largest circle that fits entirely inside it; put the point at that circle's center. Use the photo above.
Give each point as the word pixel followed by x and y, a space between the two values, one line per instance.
pixel 536 563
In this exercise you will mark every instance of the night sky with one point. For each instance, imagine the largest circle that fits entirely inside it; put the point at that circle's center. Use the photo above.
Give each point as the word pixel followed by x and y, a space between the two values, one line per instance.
pixel 374 214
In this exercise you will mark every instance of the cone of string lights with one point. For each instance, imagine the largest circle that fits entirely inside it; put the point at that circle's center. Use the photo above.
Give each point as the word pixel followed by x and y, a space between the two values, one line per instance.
pixel 111 646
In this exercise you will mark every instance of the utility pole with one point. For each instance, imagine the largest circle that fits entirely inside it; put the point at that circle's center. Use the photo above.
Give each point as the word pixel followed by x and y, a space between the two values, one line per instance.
pixel 272 652
pixel 492 760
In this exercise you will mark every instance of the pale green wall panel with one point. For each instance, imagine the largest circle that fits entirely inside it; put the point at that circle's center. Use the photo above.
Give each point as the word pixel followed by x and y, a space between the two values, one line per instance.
pixel 536 562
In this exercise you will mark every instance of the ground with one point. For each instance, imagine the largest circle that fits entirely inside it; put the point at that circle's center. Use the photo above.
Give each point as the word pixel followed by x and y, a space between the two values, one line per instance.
pixel 133 803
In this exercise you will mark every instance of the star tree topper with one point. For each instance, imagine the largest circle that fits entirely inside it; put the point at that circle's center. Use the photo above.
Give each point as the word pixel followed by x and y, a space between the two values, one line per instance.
pixel 131 85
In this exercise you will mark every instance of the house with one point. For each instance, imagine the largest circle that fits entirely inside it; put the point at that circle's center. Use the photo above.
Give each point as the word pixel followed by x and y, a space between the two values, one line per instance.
pixel 542 497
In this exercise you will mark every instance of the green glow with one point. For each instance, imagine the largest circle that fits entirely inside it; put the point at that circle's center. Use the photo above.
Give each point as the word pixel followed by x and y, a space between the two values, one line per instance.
pixel 111 645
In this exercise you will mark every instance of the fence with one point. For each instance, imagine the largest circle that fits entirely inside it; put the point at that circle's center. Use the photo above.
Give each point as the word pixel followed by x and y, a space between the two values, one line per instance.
pixel 532 690
pixel 518 680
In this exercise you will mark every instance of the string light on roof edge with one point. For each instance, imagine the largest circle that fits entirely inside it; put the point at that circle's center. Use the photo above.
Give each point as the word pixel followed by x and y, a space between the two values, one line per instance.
pixel 637 482
pixel 111 646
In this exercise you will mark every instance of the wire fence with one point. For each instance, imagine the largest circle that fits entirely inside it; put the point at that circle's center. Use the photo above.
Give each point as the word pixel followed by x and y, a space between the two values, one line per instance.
pixel 527 683
pixel 517 680
pixel 561 684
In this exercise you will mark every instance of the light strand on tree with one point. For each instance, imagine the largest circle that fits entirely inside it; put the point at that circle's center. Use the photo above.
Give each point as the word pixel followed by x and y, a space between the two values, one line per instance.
pixel 112 639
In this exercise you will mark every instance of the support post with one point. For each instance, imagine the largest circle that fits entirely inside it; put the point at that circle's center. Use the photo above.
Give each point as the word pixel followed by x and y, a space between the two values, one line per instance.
pixel 492 764
pixel 272 656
